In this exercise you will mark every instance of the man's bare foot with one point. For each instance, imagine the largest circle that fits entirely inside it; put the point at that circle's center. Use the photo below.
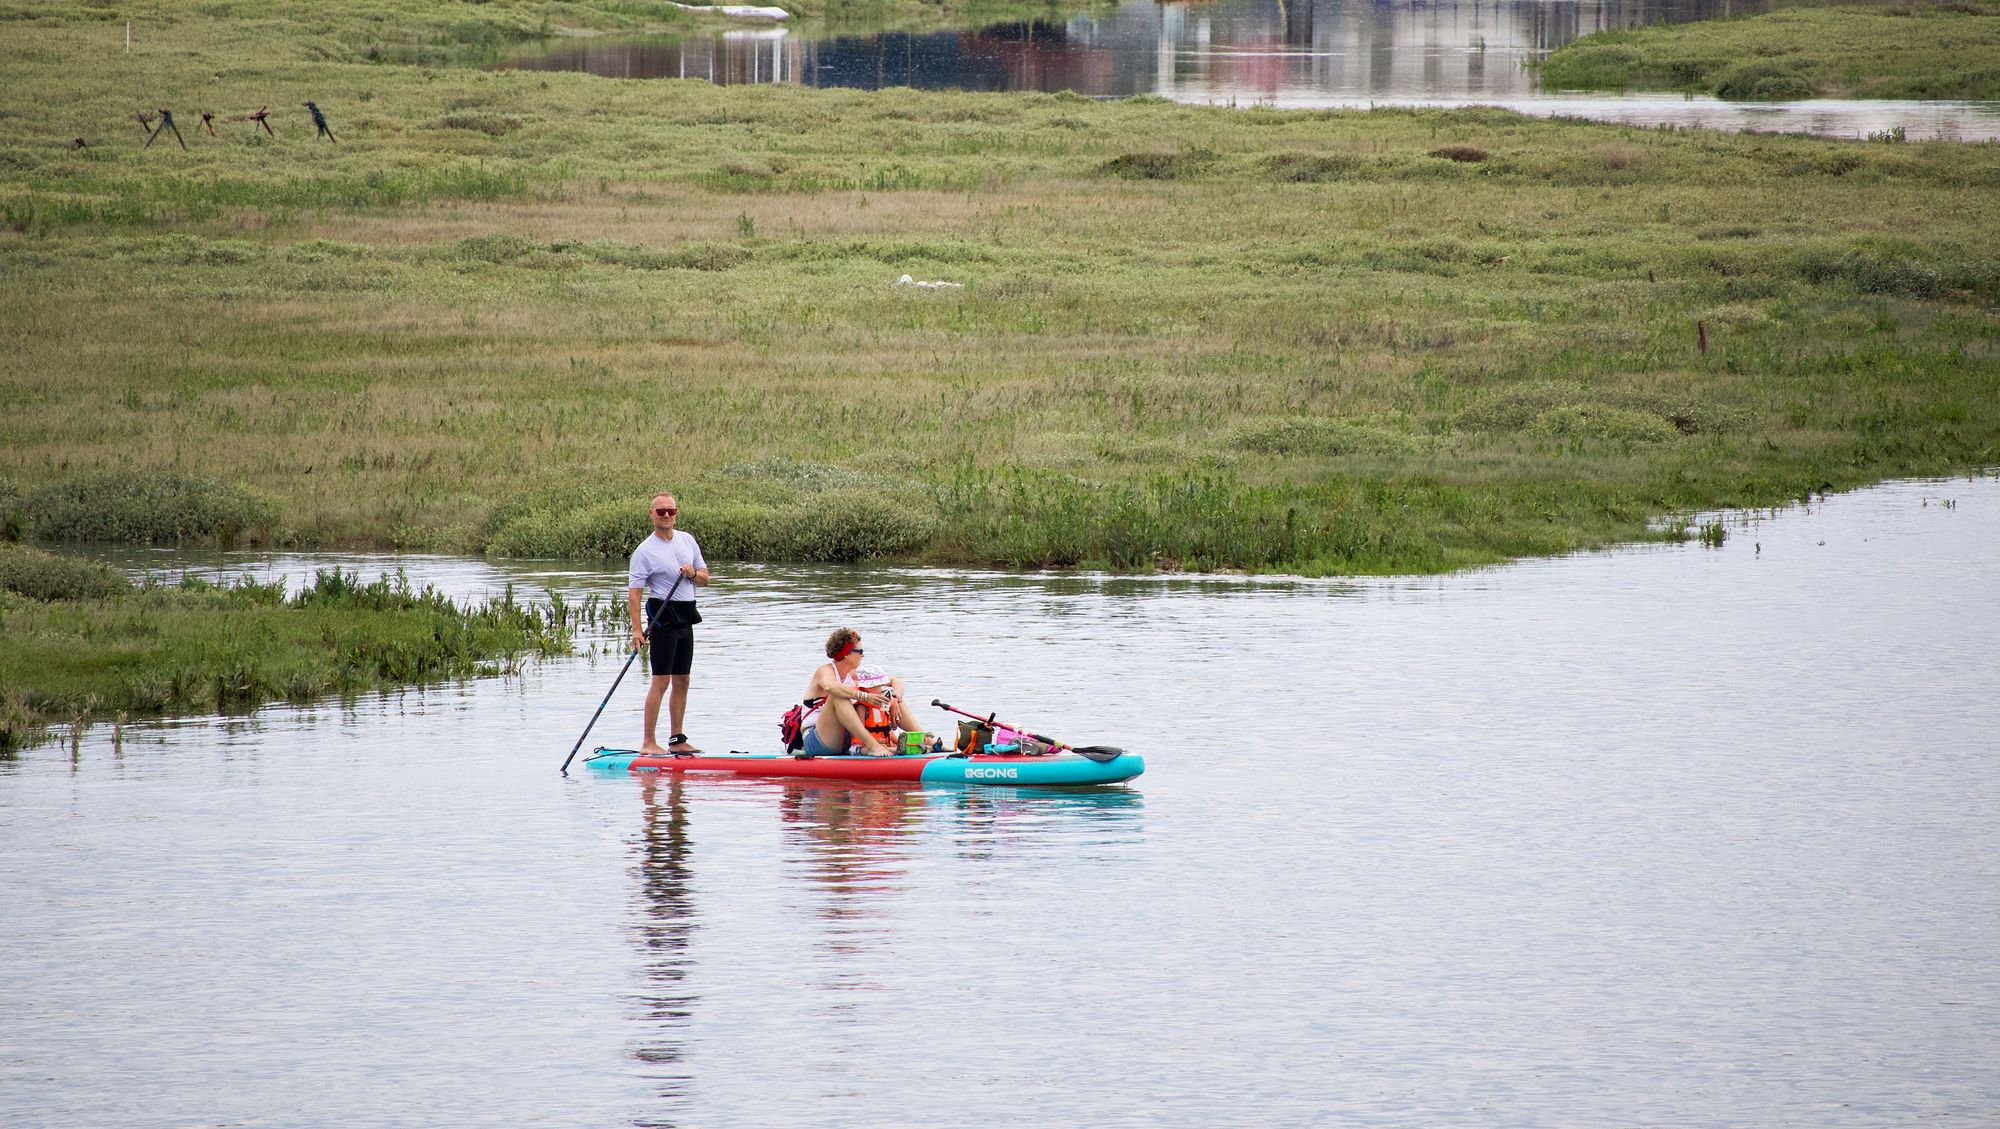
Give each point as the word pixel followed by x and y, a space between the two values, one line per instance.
pixel 680 746
pixel 876 749
pixel 652 749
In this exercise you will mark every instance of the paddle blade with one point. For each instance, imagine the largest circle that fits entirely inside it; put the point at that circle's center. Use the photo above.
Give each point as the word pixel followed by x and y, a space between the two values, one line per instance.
pixel 1099 753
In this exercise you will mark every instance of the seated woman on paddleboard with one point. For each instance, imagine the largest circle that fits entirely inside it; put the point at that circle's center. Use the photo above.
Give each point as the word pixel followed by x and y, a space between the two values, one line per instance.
pixel 850 704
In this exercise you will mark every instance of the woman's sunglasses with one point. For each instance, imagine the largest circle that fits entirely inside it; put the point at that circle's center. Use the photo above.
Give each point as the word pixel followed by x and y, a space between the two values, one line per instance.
pixel 665 511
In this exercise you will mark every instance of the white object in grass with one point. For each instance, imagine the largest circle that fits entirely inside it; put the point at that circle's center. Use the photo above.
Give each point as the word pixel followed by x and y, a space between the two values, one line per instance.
pixel 738 11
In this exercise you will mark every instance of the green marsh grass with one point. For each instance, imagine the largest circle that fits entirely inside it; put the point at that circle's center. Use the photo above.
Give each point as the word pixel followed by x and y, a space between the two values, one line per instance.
pixel 1189 337
pixel 1906 51
pixel 145 508
pixel 197 647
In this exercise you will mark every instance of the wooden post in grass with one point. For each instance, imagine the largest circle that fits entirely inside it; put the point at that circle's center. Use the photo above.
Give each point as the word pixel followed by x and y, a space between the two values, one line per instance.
pixel 166 123
pixel 258 117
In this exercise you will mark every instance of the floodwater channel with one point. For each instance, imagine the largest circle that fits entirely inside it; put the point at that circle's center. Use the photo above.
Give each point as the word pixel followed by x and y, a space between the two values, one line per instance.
pixel 1669 835
pixel 1292 54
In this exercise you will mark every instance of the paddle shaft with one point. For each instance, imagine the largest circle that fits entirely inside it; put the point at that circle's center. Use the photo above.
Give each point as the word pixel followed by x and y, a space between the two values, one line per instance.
pixel 651 623
pixel 988 719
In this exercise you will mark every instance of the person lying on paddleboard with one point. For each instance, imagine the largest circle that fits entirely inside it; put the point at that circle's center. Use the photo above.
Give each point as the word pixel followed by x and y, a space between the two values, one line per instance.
pixel 851 705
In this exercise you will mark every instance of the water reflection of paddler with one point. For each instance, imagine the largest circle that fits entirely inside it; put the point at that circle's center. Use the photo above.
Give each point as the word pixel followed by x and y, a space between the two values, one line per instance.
pixel 854 860
pixel 853 816
pixel 849 704
pixel 664 922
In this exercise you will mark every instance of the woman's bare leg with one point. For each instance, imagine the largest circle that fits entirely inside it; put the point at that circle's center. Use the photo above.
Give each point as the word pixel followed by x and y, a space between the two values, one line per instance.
pixel 838 719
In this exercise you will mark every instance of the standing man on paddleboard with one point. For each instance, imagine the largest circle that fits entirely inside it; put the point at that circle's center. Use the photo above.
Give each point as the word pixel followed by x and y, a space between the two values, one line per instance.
pixel 666 569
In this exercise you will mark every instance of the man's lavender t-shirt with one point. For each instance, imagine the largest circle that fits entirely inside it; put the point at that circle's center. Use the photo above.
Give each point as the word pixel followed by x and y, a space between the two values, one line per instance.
pixel 656 564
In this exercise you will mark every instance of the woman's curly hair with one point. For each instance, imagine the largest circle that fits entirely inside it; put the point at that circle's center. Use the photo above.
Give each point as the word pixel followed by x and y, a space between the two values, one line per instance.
pixel 842 639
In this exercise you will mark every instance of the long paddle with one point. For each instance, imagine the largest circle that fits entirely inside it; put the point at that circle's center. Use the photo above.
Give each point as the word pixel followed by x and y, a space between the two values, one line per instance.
pixel 1098 753
pixel 652 622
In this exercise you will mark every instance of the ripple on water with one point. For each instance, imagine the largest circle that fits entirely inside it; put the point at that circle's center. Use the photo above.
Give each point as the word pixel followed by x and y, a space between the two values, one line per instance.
pixel 1667 835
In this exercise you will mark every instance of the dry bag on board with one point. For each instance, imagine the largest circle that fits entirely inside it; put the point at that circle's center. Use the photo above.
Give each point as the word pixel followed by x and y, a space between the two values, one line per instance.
pixel 974 736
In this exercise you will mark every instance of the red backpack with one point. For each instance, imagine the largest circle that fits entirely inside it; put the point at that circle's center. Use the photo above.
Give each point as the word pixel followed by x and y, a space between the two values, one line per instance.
pixel 792 727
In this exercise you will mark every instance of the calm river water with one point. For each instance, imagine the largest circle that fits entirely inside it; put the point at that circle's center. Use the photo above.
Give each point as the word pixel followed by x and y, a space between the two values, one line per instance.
pixel 1286 53
pixel 1667 836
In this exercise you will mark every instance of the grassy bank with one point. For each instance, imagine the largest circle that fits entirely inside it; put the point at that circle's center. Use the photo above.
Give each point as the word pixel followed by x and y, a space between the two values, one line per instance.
pixel 507 306
pixel 82 644
pixel 1943 51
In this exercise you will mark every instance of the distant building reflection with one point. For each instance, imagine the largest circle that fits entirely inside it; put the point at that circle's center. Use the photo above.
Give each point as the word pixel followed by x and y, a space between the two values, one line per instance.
pixel 1250 50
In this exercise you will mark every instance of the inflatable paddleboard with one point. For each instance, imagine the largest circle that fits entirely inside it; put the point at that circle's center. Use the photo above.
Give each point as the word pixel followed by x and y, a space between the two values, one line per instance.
pixel 1050 770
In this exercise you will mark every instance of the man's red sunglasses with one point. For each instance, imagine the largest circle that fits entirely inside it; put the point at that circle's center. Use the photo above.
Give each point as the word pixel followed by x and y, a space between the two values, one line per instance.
pixel 665 511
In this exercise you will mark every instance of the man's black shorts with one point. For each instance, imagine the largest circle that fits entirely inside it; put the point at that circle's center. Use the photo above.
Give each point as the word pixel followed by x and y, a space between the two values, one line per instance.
pixel 672 642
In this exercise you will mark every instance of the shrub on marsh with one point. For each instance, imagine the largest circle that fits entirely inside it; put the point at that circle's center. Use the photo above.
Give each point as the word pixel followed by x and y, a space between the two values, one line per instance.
pixel 1160 166
pixel 182 249
pixel 618 254
pixel 1590 66
pixel 1762 81
pixel 834 515
pixel 50 576
pixel 1310 168
pixel 846 526
pixel 730 530
pixel 1465 154
pixel 708 255
pixel 11 521
pixel 1323 437
pixel 800 474
pixel 1553 409
pixel 1619 157
pixel 1878 273
pixel 1831 162
pixel 1190 520
pixel 492 125
pixel 1590 420
pixel 325 250
pixel 498 247
pixel 146 507
pixel 769 510
pixel 597 529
